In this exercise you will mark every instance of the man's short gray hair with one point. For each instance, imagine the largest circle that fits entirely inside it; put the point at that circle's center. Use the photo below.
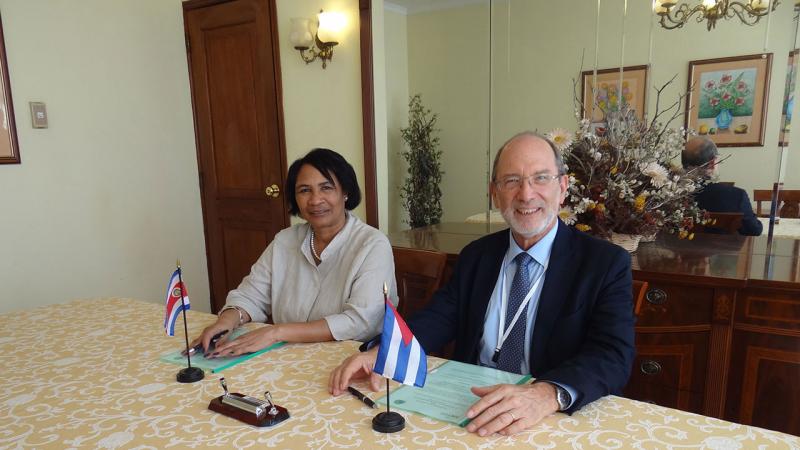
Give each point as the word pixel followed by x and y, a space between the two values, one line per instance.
pixel 562 169
pixel 698 151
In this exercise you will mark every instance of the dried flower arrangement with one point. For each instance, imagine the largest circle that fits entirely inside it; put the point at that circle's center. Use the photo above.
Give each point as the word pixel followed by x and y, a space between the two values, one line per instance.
pixel 626 177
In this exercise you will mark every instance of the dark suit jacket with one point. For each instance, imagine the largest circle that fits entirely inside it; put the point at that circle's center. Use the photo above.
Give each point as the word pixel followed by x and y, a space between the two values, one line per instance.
pixel 583 336
pixel 718 197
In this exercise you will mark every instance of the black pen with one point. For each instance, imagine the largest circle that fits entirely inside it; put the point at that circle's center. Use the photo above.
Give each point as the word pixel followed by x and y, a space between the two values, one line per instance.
pixel 367 401
pixel 213 342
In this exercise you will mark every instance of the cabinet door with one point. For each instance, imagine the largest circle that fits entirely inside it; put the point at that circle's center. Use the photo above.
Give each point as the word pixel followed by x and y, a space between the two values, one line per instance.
pixel 671 304
pixel 764 375
pixel 669 369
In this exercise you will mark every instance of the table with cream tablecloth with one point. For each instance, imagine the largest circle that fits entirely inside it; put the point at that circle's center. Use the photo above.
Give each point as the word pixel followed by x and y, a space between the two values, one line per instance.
pixel 785 228
pixel 87 374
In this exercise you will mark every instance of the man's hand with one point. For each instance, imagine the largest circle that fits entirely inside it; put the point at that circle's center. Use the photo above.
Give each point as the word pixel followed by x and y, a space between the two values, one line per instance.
pixel 508 408
pixel 355 367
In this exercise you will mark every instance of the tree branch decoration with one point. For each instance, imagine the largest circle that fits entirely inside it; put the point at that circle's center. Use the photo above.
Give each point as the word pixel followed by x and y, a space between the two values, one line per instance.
pixel 422 198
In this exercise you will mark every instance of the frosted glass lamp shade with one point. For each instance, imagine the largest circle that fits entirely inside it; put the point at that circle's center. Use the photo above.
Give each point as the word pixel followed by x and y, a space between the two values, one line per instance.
pixel 300 34
pixel 331 25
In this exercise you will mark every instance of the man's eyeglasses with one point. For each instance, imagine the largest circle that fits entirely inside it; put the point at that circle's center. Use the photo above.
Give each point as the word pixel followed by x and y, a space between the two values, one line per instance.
pixel 514 182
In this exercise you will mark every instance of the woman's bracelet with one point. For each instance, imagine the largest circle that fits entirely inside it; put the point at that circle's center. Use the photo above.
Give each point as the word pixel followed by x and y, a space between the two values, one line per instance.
pixel 238 309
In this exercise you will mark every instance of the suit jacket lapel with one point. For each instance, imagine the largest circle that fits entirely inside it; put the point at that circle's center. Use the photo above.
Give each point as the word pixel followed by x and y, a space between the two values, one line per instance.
pixel 558 279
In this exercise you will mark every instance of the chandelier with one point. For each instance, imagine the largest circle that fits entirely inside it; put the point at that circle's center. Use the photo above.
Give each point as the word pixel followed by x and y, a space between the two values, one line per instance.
pixel 748 11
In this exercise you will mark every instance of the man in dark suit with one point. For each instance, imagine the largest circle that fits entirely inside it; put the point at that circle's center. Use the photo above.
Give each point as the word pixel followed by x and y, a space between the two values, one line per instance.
pixel 701 153
pixel 542 298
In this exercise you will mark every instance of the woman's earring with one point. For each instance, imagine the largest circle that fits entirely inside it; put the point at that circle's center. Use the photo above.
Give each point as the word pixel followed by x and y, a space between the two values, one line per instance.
pixel 345 198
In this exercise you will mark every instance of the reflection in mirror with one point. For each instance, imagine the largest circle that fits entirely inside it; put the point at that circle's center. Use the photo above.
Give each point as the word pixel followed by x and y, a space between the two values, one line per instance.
pixel 9 147
pixel 536 50
pixel 443 55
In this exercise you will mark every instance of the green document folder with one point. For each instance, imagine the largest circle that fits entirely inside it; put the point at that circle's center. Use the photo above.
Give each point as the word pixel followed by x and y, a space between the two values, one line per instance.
pixel 216 364
pixel 446 395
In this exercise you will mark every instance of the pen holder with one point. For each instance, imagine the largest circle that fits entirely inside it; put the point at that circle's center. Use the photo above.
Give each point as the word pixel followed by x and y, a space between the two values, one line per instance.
pixel 249 410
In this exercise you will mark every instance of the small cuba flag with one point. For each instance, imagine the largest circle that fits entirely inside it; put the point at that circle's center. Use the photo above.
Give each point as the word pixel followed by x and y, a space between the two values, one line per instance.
pixel 400 356
pixel 174 304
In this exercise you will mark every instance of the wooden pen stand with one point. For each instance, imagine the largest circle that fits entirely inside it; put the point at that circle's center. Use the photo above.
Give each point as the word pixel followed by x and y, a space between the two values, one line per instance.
pixel 263 419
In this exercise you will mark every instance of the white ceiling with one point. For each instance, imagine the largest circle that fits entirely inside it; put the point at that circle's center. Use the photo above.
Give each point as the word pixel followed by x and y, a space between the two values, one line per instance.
pixel 420 6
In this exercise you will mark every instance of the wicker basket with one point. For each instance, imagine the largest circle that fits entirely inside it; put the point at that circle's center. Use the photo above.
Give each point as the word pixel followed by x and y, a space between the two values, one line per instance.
pixel 629 242
pixel 649 238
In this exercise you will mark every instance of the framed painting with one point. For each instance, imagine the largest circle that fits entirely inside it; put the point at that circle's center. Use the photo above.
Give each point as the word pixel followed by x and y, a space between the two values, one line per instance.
pixel 9 148
pixel 727 99
pixel 612 92
pixel 788 98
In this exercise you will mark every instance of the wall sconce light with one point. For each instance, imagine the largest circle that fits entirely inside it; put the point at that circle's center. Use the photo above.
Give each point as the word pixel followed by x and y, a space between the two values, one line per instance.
pixel 303 37
pixel 748 11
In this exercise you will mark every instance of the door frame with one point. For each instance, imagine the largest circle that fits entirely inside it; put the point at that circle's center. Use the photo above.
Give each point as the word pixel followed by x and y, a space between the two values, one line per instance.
pixel 368 112
pixel 189 5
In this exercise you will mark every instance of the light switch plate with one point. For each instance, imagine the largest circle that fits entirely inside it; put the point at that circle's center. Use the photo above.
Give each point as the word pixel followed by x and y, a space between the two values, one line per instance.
pixel 38 115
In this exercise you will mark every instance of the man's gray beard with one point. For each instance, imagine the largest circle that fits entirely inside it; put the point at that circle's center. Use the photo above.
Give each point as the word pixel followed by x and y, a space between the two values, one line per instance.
pixel 508 216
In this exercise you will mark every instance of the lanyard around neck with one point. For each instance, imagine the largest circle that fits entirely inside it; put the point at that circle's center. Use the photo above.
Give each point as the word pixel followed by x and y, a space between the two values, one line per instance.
pixel 502 333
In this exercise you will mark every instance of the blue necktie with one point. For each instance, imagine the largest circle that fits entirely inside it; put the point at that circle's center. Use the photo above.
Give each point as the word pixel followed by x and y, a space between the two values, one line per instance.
pixel 513 350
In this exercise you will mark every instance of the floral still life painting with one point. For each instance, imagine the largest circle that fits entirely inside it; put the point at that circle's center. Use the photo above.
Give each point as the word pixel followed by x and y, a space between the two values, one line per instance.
pixel 727 99
pixel 723 96
pixel 610 90
pixel 788 98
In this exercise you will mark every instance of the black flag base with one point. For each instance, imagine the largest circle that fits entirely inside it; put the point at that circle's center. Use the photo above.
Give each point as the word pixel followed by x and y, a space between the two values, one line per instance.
pixel 190 375
pixel 388 422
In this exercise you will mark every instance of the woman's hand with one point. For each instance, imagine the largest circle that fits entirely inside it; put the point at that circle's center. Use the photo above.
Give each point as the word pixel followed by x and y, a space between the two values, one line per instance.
pixel 247 343
pixel 228 321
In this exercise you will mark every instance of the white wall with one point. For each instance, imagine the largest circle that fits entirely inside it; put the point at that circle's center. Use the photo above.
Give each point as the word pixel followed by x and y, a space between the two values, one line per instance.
pixel 107 197
pixel 396 57
pixel 322 108
pixel 379 77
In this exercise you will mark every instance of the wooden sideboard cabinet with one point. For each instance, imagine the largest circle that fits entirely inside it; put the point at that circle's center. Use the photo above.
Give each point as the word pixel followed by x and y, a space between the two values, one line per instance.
pixel 719 330
pixel 672 346
pixel 764 370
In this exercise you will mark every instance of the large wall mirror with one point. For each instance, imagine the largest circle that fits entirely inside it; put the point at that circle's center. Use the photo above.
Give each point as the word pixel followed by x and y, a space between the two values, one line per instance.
pixel 490 69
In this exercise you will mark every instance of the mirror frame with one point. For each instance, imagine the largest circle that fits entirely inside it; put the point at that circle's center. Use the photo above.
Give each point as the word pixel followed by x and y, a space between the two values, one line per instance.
pixel 368 112
pixel 5 88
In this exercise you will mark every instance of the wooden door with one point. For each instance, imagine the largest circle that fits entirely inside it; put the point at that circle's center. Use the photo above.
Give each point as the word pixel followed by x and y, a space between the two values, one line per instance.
pixel 235 77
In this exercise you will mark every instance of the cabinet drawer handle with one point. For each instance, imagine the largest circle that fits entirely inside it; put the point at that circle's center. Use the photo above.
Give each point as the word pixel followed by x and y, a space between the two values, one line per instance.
pixel 650 367
pixel 656 296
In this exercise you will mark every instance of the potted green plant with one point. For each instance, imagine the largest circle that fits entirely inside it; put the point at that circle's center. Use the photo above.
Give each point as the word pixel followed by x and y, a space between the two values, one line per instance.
pixel 420 193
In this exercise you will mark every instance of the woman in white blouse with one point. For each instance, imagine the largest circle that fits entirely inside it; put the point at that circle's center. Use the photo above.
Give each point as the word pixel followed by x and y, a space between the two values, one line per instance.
pixel 319 281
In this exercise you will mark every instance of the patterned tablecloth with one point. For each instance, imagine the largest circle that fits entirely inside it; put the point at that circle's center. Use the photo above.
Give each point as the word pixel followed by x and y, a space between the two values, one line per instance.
pixel 86 374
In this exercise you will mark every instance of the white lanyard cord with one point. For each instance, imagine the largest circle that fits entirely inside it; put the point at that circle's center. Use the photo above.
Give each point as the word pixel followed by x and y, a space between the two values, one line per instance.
pixel 502 333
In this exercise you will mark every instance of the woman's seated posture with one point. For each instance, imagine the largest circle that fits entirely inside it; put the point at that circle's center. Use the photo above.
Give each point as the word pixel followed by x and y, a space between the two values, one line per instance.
pixel 319 281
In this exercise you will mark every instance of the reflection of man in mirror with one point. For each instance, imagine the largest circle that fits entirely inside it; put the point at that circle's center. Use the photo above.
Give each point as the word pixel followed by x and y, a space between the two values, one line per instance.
pixel 719 197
